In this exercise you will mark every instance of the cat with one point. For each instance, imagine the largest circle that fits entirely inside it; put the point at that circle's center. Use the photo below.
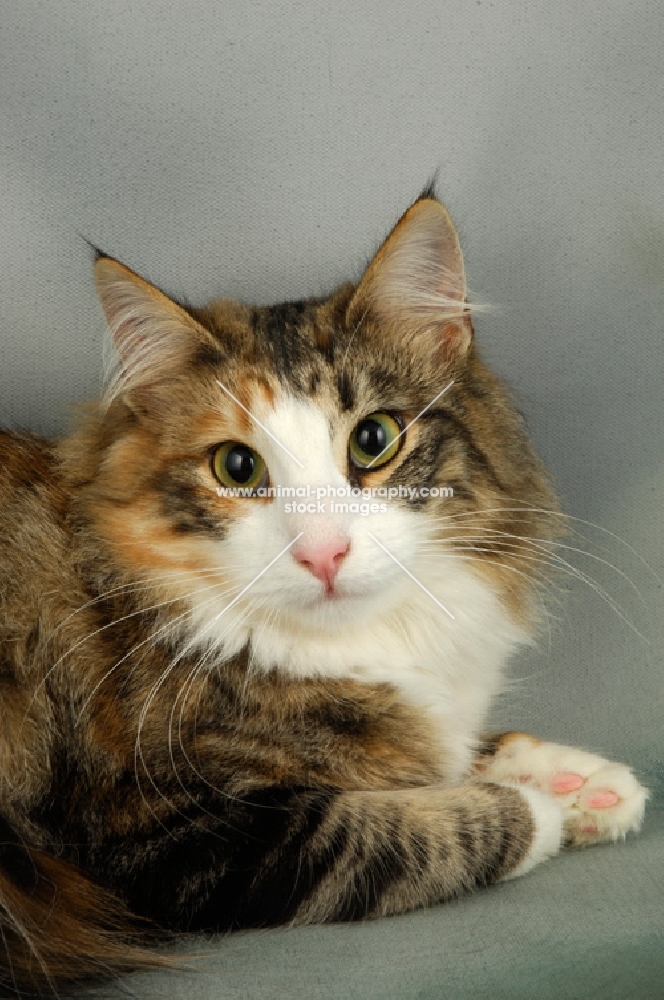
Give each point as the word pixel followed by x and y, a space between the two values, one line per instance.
pixel 225 704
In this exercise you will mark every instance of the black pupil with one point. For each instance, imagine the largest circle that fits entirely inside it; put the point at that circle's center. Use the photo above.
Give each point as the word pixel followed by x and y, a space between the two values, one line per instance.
pixel 240 464
pixel 371 437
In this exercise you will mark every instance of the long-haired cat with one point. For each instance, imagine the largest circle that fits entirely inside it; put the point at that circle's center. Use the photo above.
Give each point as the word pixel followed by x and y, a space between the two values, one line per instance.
pixel 232 698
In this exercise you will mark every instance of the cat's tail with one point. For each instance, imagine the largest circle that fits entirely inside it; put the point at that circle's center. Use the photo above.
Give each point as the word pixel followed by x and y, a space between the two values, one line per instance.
pixel 57 928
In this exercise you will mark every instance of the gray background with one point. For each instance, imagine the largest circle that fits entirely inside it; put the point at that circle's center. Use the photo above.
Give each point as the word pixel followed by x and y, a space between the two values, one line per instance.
pixel 262 151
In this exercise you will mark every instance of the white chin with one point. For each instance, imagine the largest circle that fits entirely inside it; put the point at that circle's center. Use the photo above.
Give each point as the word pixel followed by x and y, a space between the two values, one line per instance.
pixel 336 609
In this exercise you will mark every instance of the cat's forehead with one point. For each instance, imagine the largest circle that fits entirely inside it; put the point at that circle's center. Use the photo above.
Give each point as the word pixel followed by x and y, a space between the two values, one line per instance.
pixel 306 348
pixel 299 340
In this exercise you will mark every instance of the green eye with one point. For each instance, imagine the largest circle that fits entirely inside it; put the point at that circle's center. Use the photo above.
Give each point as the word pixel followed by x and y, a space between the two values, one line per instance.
pixel 237 465
pixel 375 440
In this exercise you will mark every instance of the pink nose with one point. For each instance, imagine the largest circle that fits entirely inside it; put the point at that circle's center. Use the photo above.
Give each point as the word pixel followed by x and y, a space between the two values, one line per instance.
pixel 323 559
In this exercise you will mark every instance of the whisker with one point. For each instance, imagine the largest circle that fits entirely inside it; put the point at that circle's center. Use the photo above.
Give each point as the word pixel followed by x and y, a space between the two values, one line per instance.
pixel 252 608
pixel 184 692
pixel 131 587
pixel 138 753
pixel 557 562
pixel 540 543
pixel 543 578
pixel 103 628
pixel 167 625
pixel 527 508
pixel 542 581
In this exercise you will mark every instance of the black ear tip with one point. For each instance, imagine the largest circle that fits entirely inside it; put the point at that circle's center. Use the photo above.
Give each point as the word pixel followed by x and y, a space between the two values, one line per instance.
pixel 429 190
pixel 97 252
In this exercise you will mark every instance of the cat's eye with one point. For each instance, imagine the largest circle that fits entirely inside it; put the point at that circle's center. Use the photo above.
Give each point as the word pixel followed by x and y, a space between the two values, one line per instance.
pixel 375 440
pixel 237 465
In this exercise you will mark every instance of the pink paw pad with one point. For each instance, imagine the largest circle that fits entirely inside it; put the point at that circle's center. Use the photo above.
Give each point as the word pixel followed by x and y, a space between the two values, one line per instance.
pixel 566 781
pixel 602 800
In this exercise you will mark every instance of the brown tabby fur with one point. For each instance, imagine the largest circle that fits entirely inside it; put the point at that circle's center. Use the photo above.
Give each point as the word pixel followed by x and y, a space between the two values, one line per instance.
pixel 253 800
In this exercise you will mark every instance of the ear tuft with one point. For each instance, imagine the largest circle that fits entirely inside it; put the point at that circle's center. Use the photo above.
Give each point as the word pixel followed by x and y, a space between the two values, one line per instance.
pixel 152 334
pixel 416 282
pixel 429 190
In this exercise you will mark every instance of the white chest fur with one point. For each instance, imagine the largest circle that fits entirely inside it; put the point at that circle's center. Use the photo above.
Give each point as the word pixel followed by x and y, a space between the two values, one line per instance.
pixel 452 668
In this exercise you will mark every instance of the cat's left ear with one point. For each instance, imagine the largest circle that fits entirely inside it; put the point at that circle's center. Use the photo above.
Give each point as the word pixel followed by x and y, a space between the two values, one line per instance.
pixel 415 286
pixel 153 335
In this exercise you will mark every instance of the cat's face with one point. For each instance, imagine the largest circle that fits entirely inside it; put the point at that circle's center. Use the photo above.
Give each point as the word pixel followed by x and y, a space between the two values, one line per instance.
pixel 375 389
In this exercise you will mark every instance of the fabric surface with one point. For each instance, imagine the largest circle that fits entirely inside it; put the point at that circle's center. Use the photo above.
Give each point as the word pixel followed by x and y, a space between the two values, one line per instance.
pixel 262 151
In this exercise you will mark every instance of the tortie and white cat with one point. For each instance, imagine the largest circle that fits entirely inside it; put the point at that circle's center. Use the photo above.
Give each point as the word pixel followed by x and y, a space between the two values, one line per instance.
pixel 216 713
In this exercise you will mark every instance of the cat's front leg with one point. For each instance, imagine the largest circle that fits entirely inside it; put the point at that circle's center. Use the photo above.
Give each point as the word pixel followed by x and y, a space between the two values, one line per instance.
pixel 600 799
pixel 303 855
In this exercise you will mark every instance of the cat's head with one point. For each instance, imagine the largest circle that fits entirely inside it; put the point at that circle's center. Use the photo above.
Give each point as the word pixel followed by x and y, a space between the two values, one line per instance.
pixel 377 387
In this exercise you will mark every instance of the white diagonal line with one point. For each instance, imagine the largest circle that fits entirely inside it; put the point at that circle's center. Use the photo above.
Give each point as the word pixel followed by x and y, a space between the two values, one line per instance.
pixel 376 457
pixel 257 577
pixel 256 420
pixel 414 578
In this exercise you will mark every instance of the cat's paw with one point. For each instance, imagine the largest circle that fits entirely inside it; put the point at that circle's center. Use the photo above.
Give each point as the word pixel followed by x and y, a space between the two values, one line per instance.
pixel 600 800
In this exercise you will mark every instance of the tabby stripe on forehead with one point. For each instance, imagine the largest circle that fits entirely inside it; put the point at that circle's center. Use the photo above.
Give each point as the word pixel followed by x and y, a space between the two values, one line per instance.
pixel 280 328
pixel 345 389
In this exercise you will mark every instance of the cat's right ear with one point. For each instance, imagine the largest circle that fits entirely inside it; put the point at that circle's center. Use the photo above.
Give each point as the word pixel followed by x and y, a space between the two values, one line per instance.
pixel 153 335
